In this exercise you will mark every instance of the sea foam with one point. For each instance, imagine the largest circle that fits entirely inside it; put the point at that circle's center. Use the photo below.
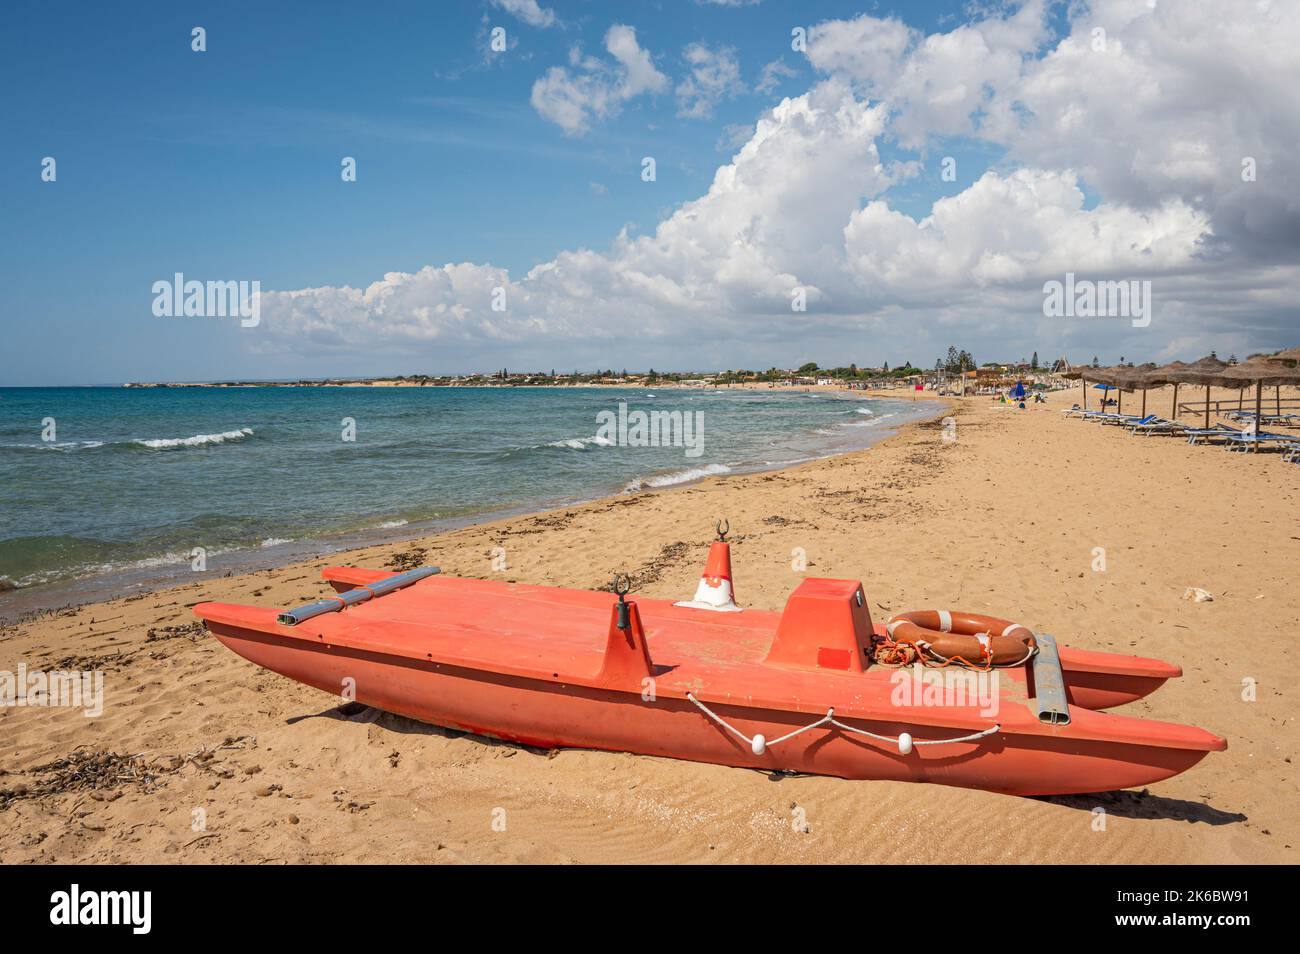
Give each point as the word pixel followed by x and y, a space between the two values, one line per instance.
pixel 198 440
pixel 677 477
pixel 582 443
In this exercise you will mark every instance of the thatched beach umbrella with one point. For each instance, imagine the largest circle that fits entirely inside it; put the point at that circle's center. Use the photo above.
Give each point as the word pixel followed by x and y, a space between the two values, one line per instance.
pixel 1259 372
pixel 1121 377
pixel 1158 377
pixel 1207 371
pixel 1090 374
pixel 1289 356
pixel 1143 378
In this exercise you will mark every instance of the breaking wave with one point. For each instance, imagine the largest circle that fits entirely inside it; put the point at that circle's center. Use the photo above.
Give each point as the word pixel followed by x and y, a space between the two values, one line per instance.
pixel 870 423
pixel 582 443
pixel 678 477
pixel 158 443
pixel 198 440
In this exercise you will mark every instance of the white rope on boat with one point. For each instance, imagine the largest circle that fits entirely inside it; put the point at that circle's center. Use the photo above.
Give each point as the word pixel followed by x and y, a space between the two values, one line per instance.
pixel 758 744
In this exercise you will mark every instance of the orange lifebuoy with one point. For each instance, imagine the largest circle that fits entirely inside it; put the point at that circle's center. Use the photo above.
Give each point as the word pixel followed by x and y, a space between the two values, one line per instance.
pixel 980 641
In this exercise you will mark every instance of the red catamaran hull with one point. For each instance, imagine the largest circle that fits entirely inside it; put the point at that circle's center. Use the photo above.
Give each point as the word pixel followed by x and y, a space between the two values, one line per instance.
pixel 549 667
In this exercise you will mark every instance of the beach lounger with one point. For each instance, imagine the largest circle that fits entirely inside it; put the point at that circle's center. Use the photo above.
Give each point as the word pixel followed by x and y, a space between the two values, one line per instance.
pixel 1277 420
pixel 1106 417
pixel 1243 442
pixel 1157 425
pixel 1208 435
pixel 1127 419
pixel 1141 421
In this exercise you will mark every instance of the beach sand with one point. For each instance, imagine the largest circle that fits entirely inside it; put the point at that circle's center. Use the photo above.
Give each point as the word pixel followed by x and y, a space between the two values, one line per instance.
pixel 235 764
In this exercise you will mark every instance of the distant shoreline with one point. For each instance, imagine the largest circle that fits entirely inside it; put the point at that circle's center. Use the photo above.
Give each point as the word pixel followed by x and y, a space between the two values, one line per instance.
pixel 692 384
pixel 394 383
pixel 821 380
pixel 861 387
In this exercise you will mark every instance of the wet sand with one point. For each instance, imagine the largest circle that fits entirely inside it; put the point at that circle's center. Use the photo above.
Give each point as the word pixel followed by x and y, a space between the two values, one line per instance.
pixel 201 757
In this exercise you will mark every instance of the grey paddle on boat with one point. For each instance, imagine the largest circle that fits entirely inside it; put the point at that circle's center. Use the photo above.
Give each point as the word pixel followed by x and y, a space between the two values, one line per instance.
pixel 360 594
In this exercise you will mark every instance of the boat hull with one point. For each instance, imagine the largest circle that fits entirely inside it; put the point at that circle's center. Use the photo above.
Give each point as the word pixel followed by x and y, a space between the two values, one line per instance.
pixel 553 714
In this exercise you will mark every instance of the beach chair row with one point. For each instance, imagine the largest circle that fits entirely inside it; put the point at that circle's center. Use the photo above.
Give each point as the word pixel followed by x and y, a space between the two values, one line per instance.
pixel 1235 439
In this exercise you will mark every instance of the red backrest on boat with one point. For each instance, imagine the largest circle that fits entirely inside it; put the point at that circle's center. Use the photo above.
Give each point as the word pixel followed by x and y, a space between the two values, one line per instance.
pixel 825 625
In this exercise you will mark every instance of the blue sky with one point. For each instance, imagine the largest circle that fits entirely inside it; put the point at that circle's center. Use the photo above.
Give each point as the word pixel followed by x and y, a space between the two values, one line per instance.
pixel 225 164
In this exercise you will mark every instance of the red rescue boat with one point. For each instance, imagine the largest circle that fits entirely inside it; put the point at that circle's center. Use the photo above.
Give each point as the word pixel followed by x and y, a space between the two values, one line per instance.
pixel 797 690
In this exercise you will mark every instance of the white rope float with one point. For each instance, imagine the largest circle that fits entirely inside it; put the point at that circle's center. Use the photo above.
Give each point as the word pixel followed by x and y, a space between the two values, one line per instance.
pixel 758 744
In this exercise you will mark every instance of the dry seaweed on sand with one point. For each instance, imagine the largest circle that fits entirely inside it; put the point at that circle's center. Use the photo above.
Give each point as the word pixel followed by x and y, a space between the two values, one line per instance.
pixel 91 663
pixel 669 556
pixel 410 559
pixel 190 631
pixel 85 771
pixel 776 520
pixel 104 773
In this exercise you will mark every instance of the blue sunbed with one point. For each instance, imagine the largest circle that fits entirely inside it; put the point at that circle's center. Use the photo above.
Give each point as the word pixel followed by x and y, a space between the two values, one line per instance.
pixel 1196 435
pixel 1244 441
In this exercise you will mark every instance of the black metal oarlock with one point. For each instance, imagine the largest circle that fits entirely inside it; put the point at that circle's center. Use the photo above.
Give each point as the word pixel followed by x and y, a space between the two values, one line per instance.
pixel 624 617
pixel 724 528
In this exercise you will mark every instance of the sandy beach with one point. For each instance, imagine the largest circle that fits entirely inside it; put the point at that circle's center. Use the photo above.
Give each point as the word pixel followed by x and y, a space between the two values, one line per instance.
pixel 218 761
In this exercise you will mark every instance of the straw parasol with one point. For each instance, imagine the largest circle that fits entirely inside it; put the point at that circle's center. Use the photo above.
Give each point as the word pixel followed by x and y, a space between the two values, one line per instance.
pixel 1142 378
pixel 1291 358
pixel 1261 371
pixel 1115 376
pixel 1080 374
pixel 1166 374
pixel 1207 371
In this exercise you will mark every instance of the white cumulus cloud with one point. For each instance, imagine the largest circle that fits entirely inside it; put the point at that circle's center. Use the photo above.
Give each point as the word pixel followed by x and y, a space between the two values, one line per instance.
pixel 936 84
pixel 529 11
pixel 1015 230
pixel 596 89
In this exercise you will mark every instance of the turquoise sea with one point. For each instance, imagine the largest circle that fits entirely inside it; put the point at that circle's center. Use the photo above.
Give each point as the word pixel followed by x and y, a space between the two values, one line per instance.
pixel 116 486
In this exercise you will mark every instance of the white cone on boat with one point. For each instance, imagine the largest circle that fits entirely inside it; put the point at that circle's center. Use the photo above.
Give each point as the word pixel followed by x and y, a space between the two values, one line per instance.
pixel 714 592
